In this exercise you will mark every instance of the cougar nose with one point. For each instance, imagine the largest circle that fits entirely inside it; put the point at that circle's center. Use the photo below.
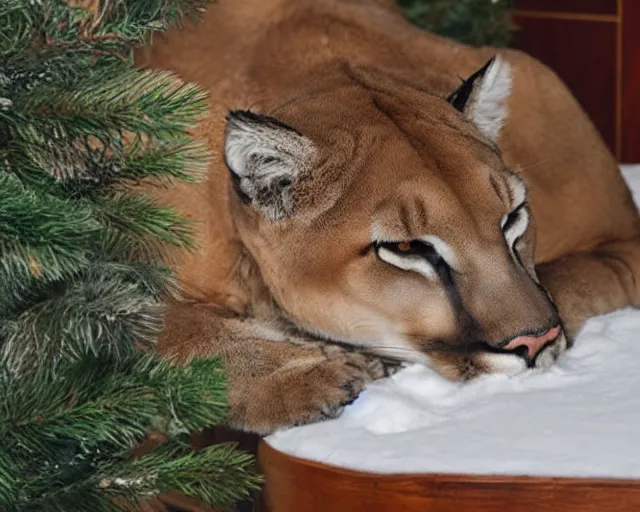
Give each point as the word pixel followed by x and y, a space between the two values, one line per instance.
pixel 534 343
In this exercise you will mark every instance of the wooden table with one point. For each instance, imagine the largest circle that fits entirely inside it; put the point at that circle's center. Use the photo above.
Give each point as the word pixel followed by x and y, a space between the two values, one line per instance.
pixel 296 485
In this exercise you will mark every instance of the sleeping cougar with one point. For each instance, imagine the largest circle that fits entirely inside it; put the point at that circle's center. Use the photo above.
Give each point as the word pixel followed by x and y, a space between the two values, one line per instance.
pixel 362 194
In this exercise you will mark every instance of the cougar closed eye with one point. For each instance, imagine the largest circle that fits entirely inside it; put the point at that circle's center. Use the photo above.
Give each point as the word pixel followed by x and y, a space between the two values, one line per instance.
pixel 413 255
pixel 515 223
pixel 412 247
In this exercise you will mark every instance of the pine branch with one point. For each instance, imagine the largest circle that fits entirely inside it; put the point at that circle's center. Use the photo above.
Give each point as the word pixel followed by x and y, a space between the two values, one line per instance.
pixel 42 239
pixel 122 24
pixel 474 22
pixel 165 161
pixel 195 396
pixel 156 104
pixel 224 475
pixel 48 234
pixel 9 485
pixel 134 226
pixel 19 24
pixel 80 264
pixel 79 497
pixel 104 133
pixel 80 423
pixel 40 422
pixel 105 312
pixel 106 401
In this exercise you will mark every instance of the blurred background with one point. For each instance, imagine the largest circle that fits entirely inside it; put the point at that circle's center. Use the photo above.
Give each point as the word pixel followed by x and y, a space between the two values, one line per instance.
pixel 593 45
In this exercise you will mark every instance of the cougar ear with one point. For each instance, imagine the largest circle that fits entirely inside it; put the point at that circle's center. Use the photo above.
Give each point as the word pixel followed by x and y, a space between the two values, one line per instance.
pixel 483 96
pixel 266 157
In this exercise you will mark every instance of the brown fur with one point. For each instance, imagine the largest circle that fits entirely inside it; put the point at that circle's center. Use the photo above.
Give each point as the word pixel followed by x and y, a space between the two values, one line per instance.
pixel 367 89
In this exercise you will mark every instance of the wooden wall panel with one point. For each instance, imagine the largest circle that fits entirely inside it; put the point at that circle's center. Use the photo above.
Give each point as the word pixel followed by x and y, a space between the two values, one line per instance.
pixel 582 53
pixel 594 45
pixel 630 101
pixel 570 6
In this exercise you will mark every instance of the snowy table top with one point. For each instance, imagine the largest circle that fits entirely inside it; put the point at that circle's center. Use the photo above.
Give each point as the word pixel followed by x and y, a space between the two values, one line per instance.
pixel 581 418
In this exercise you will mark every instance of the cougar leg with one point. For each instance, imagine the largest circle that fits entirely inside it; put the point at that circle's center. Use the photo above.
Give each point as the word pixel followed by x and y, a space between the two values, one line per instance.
pixel 275 379
pixel 584 285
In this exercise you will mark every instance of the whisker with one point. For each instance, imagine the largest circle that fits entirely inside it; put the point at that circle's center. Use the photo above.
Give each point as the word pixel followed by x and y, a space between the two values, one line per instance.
pixel 432 346
pixel 369 348
pixel 520 168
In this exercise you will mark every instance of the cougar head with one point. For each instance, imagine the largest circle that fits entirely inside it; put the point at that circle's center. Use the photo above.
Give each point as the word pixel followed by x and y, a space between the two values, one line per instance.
pixel 383 216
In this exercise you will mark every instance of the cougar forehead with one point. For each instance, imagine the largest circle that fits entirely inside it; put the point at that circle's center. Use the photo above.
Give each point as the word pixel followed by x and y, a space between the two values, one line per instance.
pixel 387 165
pixel 388 172
pixel 372 139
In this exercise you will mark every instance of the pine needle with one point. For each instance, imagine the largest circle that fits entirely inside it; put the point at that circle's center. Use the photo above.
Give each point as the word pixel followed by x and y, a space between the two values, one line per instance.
pixel 82 278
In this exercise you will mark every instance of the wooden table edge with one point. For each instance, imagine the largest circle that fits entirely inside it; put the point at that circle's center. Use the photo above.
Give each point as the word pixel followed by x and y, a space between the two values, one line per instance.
pixel 300 485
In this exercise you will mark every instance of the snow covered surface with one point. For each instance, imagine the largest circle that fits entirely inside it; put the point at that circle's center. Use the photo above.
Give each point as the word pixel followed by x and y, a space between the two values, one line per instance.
pixel 582 418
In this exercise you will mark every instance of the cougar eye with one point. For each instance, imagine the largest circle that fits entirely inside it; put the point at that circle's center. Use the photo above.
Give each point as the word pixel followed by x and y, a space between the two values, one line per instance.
pixel 515 223
pixel 400 247
pixel 414 255
pixel 510 219
pixel 409 248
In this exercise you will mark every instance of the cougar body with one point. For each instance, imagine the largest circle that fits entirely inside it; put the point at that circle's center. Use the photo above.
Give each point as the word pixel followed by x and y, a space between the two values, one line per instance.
pixel 365 204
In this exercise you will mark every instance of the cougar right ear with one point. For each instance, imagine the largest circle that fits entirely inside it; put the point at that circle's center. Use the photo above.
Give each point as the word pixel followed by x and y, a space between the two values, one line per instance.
pixel 266 157
pixel 483 96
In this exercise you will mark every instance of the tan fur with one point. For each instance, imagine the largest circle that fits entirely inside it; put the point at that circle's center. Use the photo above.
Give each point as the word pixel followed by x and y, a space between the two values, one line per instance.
pixel 367 88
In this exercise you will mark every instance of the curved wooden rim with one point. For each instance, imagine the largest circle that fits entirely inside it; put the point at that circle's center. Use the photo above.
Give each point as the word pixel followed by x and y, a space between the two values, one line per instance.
pixel 265 450
pixel 294 484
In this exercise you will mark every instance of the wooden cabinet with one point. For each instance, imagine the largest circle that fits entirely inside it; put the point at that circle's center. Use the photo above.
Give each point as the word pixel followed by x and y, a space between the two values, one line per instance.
pixel 594 46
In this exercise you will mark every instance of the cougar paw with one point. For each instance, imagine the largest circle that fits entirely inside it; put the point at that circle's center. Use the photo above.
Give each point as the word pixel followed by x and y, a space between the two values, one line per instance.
pixel 322 392
pixel 306 390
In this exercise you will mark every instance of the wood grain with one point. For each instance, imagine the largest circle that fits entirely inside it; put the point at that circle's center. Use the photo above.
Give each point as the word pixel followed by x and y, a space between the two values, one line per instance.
pixel 574 16
pixel 630 104
pixel 294 485
pixel 575 6
pixel 583 54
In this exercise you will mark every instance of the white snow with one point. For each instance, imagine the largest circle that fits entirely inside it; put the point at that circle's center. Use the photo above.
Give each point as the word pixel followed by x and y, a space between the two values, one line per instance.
pixel 580 418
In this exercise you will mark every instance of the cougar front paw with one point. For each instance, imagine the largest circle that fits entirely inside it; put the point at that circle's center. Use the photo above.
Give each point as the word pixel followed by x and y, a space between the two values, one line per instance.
pixel 304 390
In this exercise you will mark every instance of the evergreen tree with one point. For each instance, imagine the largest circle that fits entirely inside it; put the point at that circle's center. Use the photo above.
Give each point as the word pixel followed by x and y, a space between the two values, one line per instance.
pixel 474 22
pixel 82 281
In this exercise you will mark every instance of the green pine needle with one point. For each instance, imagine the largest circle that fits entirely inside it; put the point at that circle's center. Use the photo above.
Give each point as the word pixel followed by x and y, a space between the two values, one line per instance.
pixel 78 426
pixel 42 239
pixel 81 265
pixel 228 474
pixel 164 163
pixel 104 312
pixel 202 383
pixel 151 102
pixel 474 22
pixel 135 225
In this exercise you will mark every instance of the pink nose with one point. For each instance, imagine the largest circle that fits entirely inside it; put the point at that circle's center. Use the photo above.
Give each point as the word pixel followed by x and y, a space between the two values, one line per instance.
pixel 534 343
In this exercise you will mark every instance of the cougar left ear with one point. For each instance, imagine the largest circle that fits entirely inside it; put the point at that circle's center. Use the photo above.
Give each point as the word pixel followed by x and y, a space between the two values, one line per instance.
pixel 266 158
pixel 482 97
